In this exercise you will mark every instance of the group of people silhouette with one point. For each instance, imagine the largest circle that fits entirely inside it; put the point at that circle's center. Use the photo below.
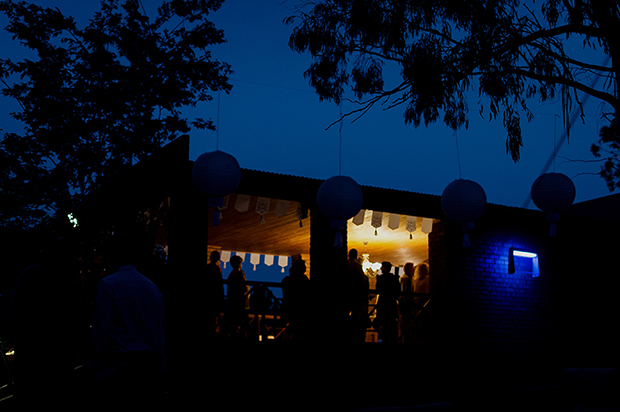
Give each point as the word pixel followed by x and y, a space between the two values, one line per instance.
pixel 230 314
pixel 128 354
pixel 396 303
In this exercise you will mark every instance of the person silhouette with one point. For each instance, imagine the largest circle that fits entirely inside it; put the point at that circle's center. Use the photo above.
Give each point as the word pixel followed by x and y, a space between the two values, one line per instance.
pixel 406 302
pixel 388 288
pixel 358 287
pixel 215 290
pixel 127 331
pixel 238 302
pixel 421 284
pixel 296 299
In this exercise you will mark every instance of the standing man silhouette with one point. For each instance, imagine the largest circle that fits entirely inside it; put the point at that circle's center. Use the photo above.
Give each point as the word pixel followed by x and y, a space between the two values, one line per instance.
pixel 128 330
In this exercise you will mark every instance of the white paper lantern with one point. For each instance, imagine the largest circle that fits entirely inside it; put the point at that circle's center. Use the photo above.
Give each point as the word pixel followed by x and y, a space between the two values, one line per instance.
pixel 339 198
pixel 552 193
pixel 464 201
pixel 216 174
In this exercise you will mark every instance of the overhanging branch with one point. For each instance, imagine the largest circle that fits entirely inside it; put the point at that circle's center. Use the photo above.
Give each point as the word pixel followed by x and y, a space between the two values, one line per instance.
pixel 607 97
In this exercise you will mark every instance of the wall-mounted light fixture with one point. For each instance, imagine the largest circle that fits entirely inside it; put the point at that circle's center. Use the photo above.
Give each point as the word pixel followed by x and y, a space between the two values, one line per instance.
pixel 523 262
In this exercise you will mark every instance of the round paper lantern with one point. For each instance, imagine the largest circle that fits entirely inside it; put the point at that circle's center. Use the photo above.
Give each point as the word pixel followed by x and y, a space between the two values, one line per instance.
pixel 552 193
pixel 216 174
pixel 339 198
pixel 464 201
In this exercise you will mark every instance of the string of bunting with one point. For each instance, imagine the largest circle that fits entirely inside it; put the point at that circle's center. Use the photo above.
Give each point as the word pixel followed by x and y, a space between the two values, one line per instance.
pixel 376 221
pixel 255 259
pixel 263 205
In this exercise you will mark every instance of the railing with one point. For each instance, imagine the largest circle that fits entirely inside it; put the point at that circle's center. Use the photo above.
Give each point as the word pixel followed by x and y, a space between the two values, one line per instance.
pixel 420 310
pixel 266 315
pixel 267 320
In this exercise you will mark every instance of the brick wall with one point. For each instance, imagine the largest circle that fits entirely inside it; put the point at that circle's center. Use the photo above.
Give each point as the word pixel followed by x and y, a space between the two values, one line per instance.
pixel 478 307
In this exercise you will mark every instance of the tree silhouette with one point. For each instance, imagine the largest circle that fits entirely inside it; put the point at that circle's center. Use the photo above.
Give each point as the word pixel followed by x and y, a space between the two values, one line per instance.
pixel 98 98
pixel 511 51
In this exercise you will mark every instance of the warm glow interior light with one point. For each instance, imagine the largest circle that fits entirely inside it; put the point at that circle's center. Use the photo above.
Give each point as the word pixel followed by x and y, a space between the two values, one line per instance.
pixel 376 266
pixel 365 262
pixel 521 253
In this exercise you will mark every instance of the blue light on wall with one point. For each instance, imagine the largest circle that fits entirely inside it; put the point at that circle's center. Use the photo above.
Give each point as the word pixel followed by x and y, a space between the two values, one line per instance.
pixel 520 261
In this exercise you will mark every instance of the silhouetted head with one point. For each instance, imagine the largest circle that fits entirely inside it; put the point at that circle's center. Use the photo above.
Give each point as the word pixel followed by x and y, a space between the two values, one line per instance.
pixel 298 267
pixel 236 262
pixel 386 267
pixel 353 254
pixel 409 269
pixel 215 256
pixel 421 271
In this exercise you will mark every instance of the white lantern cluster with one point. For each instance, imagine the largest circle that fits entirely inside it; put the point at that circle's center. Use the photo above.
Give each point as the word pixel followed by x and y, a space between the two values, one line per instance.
pixel 339 198
pixel 552 193
pixel 464 201
pixel 216 174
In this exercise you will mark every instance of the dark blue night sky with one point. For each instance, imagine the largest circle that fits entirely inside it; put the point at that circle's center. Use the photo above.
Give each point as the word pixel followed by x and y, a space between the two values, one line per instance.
pixel 273 121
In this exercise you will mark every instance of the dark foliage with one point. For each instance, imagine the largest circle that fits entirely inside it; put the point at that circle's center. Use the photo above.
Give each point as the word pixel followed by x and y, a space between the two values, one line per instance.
pixel 512 51
pixel 608 148
pixel 96 99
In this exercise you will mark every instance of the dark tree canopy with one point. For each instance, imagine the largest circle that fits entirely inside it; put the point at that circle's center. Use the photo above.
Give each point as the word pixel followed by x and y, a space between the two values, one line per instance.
pixel 97 98
pixel 511 51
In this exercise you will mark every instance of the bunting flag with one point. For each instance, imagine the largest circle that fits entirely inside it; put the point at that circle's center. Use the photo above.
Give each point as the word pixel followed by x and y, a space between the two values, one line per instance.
pixel 377 220
pixel 281 207
pixel 224 257
pixel 262 207
pixel 217 214
pixel 359 218
pixel 394 221
pixel 268 260
pixel 243 203
pixel 411 224
pixel 301 213
pixel 255 259
pixel 427 225
pixel 283 262
pixel 224 206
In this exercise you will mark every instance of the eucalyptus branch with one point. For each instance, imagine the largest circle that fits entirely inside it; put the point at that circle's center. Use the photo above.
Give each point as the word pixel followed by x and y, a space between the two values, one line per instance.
pixel 566 59
pixel 607 97
pixel 368 104
pixel 585 174
pixel 567 160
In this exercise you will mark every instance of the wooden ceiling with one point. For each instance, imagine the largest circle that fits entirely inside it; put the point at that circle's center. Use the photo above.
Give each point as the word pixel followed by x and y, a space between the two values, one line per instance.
pixel 245 232
pixel 392 245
